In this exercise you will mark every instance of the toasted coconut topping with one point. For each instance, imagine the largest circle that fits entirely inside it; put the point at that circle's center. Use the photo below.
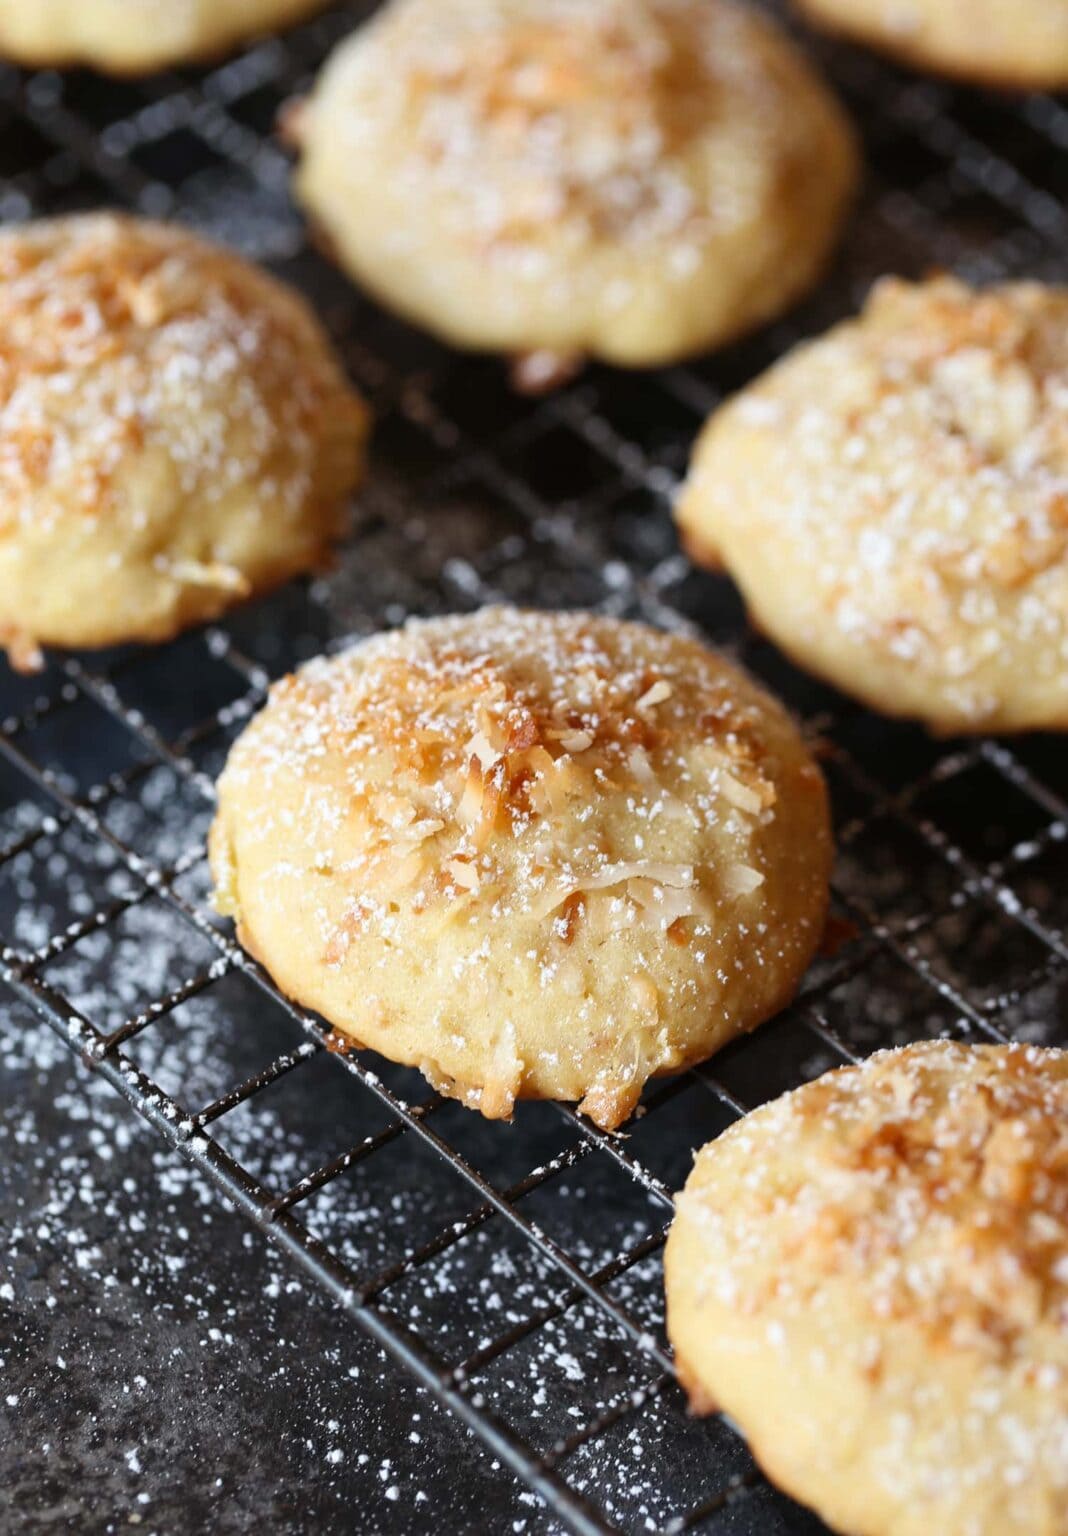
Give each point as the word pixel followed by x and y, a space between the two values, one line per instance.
pixel 598 119
pixel 656 693
pixel 585 106
pixel 893 499
pixel 117 334
pixel 479 747
pixel 742 880
pixel 202 573
pixel 937 1175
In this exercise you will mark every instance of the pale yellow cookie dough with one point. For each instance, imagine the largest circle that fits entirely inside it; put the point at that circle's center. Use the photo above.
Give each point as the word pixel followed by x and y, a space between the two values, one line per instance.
pixel 132 37
pixel 175 433
pixel 892 499
pixel 534 855
pixel 870 1276
pixel 1016 44
pixel 632 180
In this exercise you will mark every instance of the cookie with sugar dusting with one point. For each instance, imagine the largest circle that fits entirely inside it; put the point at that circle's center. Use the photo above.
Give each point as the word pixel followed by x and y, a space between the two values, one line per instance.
pixel 870 1276
pixel 1014 44
pixel 131 37
pixel 534 855
pixel 631 180
pixel 892 499
pixel 175 433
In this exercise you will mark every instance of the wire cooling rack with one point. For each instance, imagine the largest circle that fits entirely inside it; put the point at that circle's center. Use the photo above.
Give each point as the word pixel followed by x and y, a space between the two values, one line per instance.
pixel 515 1271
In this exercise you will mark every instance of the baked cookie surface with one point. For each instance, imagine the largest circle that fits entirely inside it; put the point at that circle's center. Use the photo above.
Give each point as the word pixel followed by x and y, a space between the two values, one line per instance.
pixel 892 499
pixel 1016 44
pixel 129 37
pixel 175 432
pixel 870 1275
pixel 634 180
pixel 535 855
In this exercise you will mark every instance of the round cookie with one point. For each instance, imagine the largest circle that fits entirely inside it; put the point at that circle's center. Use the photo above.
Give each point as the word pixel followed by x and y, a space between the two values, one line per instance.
pixel 892 499
pixel 632 180
pixel 175 433
pixel 1016 44
pixel 130 37
pixel 870 1276
pixel 534 855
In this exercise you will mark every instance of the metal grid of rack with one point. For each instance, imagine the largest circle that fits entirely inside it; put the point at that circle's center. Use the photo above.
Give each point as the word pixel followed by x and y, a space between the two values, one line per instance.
pixel 950 878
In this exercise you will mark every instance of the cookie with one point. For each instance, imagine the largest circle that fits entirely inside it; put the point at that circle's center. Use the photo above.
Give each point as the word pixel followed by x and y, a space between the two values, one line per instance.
pixel 175 433
pixel 892 499
pixel 870 1276
pixel 534 855
pixel 1015 44
pixel 631 180
pixel 132 37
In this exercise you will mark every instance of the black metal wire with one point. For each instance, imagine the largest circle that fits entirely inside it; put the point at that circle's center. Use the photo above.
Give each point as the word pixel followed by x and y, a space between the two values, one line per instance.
pixel 942 190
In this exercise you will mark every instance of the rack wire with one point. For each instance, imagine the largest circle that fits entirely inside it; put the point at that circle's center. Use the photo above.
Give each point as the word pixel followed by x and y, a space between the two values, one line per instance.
pixel 949 885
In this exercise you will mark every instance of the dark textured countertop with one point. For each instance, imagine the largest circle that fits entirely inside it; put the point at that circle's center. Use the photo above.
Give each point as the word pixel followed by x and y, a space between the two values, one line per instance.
pixel 163 1369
